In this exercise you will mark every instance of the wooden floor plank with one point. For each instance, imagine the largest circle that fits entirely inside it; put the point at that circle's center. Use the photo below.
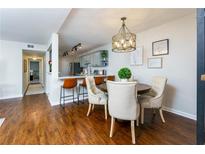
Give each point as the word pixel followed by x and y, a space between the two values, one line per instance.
pixel 33 121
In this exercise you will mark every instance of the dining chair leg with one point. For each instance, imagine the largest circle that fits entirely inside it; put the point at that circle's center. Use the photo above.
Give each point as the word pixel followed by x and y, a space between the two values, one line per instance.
pixel 112 126
pixel 83 94
pixel 154 111
pixel 93 106
pixel 77 94
pixel 89 109
pixel 63 98
pixel 161 115
pixel 133 131
pixel 137 122
pixel 73 95
pixel 142 115
pixel 60 96
pixel 106 111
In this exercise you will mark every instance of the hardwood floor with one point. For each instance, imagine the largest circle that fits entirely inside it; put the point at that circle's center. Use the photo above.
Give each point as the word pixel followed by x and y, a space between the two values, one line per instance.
pixel 33 121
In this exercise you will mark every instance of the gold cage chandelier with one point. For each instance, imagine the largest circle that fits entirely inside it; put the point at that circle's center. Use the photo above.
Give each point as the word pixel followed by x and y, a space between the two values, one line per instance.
pixel 124 41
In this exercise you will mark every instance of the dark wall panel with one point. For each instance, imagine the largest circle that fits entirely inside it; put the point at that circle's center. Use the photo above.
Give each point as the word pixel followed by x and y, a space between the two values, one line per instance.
pixel 200 71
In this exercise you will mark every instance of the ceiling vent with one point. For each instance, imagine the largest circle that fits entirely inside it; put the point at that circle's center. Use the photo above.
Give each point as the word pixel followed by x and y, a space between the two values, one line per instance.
pixel 30 46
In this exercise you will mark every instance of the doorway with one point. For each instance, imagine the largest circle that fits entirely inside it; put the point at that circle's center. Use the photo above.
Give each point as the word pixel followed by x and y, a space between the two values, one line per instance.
pixel 33 72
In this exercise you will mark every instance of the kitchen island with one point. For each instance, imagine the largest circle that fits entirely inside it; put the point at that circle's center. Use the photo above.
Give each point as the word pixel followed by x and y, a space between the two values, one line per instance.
pixel 81 76
pixel 55 85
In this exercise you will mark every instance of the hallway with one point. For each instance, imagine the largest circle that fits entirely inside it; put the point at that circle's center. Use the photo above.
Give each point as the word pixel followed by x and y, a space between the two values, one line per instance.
pixel 36 88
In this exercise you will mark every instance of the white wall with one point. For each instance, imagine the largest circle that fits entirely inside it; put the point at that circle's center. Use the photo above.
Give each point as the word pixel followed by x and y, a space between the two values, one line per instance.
pixel 64 64
pixel 179 66
pixel 52 82
pixel 11 67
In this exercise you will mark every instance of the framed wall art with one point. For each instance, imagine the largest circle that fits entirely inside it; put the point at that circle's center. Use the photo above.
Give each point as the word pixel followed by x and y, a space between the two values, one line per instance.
pixel 25 65
pixel 160 47
pixel 154 63
pixel 136 57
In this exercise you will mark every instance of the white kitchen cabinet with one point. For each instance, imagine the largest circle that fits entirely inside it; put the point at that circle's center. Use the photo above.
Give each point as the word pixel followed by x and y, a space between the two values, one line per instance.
pixel 93 59
pixel 83 61
pixel 98 59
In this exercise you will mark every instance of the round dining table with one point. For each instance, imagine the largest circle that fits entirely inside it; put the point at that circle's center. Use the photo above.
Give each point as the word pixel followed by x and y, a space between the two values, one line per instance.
pixel 141 88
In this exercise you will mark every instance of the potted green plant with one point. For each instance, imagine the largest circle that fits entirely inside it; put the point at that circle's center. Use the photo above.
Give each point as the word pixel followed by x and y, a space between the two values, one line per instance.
pixel 104 54
pixel 124 74
pixel 104 57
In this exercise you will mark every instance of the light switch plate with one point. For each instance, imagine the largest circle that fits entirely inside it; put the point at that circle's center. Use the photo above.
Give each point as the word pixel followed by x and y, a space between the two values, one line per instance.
pixel 203 77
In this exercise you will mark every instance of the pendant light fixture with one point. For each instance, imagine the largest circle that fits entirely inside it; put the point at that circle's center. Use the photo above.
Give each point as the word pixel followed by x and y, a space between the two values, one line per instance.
pixel 124 41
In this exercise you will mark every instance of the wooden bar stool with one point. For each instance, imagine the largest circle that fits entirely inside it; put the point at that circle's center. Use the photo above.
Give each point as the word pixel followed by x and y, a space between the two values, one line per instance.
pixel 84 93
pixel 111 78
pixel 99 80
pixel 69 84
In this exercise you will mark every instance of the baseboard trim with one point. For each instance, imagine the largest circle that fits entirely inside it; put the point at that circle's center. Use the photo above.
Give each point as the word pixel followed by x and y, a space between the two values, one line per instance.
pixel 11 97
pixel 184 114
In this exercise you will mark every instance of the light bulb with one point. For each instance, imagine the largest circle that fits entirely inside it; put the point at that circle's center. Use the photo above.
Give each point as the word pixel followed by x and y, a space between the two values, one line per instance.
pixel 122 41
pixel 117 44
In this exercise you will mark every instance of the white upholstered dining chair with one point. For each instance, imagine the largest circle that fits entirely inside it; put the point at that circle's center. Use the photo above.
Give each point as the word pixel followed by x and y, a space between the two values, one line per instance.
pixel 95 95
pixel 154 98
pixel 123 104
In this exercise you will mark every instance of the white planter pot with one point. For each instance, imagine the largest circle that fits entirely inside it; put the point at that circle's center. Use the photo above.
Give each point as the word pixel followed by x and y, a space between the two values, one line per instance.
pixel 124 80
